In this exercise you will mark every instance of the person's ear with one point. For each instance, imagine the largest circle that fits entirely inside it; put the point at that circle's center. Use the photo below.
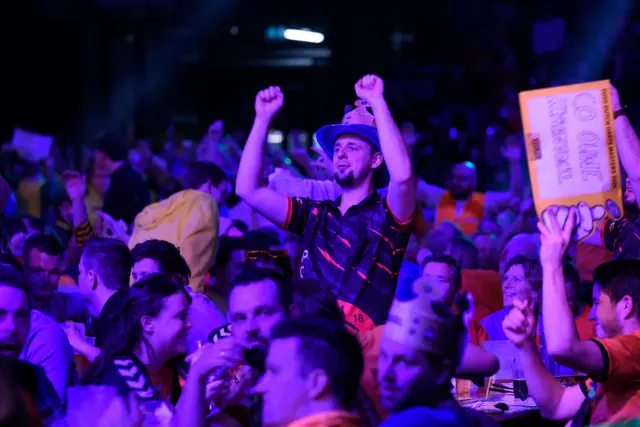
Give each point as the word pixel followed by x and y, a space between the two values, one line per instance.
pixel 317 384
pixel 148 325
pixel 377 160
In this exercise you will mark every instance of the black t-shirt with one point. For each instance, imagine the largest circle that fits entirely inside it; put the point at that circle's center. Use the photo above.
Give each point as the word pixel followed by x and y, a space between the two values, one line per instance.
pixel 128 194
pixel 103 324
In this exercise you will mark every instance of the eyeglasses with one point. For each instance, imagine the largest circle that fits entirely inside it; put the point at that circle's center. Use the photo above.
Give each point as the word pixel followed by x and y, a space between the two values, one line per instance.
pixel 261 254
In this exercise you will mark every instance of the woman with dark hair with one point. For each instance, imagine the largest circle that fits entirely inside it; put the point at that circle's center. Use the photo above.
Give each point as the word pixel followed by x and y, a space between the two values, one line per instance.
pixel 151 329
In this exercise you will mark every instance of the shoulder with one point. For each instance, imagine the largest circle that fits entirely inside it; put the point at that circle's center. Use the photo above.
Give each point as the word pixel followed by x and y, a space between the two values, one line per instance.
pixel 44 327
pixel 128 376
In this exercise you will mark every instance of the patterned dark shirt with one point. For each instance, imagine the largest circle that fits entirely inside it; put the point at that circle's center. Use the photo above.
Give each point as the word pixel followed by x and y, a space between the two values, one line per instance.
pixel 623 237
pixel 357 255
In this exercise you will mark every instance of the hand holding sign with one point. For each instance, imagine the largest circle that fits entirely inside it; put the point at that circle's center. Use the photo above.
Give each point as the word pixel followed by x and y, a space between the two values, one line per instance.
pixel 555 238
pixel 586 219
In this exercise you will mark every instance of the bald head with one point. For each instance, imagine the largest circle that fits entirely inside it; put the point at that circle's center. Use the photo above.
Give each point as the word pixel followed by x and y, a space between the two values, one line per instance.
pixel 463 180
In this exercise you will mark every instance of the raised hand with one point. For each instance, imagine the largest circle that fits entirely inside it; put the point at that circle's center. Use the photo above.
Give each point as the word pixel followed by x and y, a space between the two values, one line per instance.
pixel 75 184
pixel 370 88
pixel 520 324
pixel 269 101
pixel 555 238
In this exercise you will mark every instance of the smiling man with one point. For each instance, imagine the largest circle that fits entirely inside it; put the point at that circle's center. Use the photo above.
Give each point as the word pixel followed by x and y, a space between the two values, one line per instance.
pixel 354 244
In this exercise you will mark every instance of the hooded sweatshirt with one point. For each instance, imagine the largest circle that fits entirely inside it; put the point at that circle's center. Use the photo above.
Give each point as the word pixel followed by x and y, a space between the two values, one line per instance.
pixel 189 220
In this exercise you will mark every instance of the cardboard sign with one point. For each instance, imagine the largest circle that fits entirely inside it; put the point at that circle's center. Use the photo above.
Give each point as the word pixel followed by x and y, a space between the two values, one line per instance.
pixel 572 153
pixel 31 146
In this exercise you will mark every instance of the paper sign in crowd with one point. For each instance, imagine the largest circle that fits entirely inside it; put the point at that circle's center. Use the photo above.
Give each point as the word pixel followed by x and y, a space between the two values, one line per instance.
pixel 572 154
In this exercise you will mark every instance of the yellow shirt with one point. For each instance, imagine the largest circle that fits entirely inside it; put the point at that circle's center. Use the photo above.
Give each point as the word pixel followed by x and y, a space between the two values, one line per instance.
pixel 29 196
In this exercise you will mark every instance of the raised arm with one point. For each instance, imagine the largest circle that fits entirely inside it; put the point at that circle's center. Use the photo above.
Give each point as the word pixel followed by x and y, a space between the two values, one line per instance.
pixel 250 185
pixel 402 186
pixel 628 144
pixel 561 335
pixel 497 202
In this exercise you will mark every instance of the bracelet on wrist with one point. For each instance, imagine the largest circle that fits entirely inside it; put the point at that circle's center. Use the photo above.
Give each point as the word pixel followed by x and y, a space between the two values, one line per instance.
pixel 620 112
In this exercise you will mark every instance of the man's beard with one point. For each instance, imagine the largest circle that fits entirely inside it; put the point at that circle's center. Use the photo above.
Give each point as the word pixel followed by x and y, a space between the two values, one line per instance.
pixel 421 393
pixel 346 181
pixel 461 194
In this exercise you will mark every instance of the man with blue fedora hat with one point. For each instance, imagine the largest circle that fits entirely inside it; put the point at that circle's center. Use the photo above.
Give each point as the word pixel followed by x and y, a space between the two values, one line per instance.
pixel 354 244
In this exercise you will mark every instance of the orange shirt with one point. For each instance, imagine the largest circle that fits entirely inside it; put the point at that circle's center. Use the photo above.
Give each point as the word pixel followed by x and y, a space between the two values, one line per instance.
pixel 618 397
pixel 470 217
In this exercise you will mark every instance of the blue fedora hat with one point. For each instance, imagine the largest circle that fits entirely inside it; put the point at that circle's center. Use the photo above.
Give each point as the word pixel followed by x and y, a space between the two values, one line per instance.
pixel 359 122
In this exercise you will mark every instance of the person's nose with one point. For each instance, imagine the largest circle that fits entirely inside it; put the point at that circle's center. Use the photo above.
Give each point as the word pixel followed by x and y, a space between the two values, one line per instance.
pixel 253 324
pixel 261 387
pixel 8 326
pixel 592 313
pixel 385 372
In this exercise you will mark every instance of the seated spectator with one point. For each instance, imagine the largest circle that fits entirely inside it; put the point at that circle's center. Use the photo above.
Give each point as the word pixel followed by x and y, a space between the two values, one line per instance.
pixel 157 256
pixel 104 267
pixel 522 280
pixel 15 324
pixel 422 330
pixel 43 257
pixel 151 329
pixel 312 377
pixel 259 299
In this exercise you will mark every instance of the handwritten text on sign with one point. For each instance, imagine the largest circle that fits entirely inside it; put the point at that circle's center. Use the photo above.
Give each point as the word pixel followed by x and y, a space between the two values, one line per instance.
pixel 572 136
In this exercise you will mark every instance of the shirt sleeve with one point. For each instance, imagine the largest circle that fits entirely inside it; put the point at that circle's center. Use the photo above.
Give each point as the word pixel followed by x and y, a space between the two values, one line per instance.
pixel 82 233
pixel 622 354
pixel 49 348
pixel 297 214
pixel 395 222
pixel 611 234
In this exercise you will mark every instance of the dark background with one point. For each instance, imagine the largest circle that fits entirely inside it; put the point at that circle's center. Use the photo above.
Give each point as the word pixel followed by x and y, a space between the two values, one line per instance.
pixel 73 67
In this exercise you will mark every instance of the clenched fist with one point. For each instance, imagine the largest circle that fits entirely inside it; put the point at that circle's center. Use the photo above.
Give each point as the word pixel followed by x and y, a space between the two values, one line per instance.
pixel 370 88
pixel 269 101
